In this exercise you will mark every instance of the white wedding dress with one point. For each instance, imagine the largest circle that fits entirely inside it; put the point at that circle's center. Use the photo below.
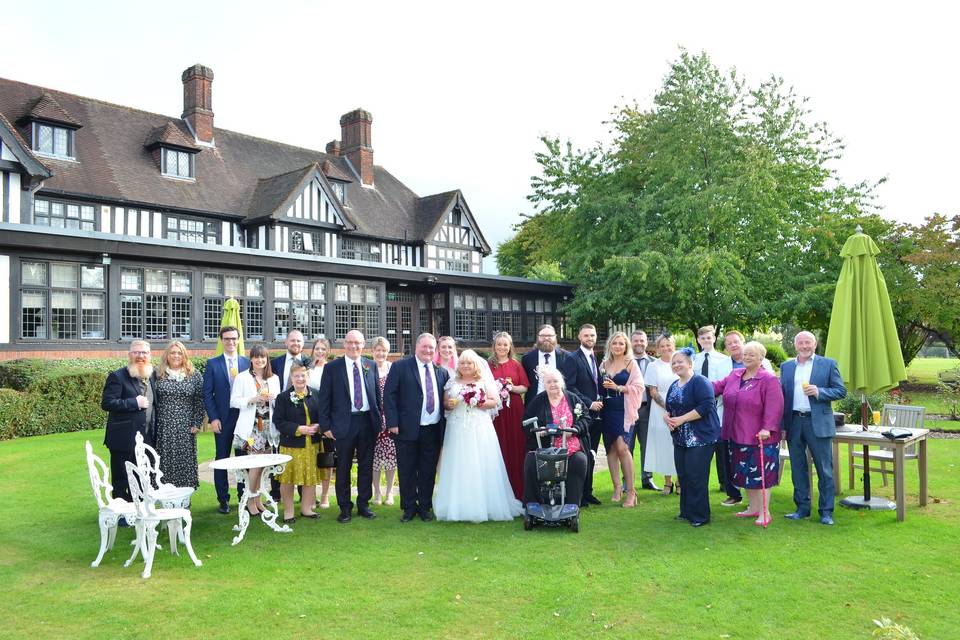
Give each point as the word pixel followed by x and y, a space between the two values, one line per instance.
pixel 473 484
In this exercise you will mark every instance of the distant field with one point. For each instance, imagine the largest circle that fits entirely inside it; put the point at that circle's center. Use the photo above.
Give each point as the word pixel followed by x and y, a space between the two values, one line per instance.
pixel 925 370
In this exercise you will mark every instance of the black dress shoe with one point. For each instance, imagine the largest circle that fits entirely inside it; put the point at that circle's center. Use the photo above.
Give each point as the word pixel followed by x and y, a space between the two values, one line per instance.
pixel 289 520
pixel 699 524
pixel 593 500
pixel 650 485
pixel 311 516
pixel 679 517
pixel 407 516
pixel 366 513
pixel 344 517
pixel 427 516
pixel 584 504
pixel 224 508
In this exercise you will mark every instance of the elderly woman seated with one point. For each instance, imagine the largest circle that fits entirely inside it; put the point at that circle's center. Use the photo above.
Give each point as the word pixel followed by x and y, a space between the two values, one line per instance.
pixel 558 406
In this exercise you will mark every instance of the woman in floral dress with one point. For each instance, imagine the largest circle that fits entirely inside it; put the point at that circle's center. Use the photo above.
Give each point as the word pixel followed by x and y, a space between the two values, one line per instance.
pixel 384 451
pixel 179 410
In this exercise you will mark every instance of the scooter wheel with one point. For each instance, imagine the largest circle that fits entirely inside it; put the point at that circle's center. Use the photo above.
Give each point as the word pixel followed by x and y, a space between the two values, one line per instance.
pixel 528 523
pixel 575 525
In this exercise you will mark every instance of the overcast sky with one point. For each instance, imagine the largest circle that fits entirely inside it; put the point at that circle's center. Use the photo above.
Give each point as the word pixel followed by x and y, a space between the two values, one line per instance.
pixel 460 95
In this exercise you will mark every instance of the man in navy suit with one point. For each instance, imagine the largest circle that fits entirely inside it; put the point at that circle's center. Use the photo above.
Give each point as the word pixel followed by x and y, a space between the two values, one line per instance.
pixel 810 383
pixel 128 398
pixel 349 408
pixel 413 402
pixel 218 379
pixel 547 354
pixel 281 365
pixel 583 380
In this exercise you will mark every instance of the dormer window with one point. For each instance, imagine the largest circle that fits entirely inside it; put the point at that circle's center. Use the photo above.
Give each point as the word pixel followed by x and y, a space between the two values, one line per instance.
pixel 177 164
pixel 51 140
pixel 339 190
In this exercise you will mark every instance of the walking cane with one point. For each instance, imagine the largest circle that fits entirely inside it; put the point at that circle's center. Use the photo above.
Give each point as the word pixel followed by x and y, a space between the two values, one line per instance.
pixel 763 486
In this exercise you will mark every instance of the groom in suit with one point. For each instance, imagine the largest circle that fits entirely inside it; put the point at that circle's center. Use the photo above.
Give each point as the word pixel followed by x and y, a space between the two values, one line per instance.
pixel 413 402
pixel 128 398
pixel 218 377
pixel 547 353
pixel 583 380
pixel 281 365
pixel 810 383
pixel 349 408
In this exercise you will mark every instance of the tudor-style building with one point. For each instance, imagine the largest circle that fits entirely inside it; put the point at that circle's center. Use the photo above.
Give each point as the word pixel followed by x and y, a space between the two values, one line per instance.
pixel 118 223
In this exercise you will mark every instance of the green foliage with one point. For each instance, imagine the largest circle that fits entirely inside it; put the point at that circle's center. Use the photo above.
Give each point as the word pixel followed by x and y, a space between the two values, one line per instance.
pixel 12 407
pixel 850 405
pixel 776 354
pixel 717 205
pixel 549 271
pixel 948 391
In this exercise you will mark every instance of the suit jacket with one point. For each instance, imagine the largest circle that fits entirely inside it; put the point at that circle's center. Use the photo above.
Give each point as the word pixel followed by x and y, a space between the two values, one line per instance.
pixel 540 407
pixel 125 418
pixel 531 360
pixel 287 417
pixel 826 376
pixel 403 397
pixel 276 365
pixel 579 377
pixel 216 389
pixel 336 404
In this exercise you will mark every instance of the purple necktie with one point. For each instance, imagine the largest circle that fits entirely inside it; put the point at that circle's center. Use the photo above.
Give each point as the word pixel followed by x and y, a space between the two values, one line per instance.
pixel 428 383
pixel 593 359
pixel 546 358
pixel 357 388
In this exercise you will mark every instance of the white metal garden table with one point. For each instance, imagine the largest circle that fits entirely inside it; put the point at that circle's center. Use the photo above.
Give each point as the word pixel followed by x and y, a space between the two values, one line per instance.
pixel 272 464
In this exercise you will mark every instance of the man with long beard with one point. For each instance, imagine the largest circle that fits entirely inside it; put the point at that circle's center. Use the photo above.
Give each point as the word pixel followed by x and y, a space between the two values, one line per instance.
pixel 128 398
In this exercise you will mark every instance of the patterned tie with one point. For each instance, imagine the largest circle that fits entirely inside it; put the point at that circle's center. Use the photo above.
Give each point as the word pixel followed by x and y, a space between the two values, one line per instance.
pixel 593 370
pixel 706 364
pixel 546 359
pixel 357 388
pixel 428 383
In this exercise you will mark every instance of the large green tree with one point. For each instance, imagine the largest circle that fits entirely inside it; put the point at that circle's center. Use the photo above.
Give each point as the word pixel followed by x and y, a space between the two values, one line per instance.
pixel 717 204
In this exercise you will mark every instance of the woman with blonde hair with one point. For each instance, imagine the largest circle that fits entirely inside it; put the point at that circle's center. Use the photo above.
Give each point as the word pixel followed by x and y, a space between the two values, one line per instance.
pixel 179 415
pixel 623 393
pixel 512 380
pixel 384 449
pixel 659 457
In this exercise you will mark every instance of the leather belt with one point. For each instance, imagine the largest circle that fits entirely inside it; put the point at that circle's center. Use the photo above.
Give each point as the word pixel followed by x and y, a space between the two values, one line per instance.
pixel 802 414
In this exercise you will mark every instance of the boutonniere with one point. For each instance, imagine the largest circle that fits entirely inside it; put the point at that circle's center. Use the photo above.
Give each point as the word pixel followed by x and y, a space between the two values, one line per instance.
pixel 578 410
pixel 366 367
pixel 295 398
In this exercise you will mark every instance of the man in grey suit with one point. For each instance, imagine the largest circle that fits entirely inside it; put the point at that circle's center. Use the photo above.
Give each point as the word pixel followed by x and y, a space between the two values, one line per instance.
pixel 810 383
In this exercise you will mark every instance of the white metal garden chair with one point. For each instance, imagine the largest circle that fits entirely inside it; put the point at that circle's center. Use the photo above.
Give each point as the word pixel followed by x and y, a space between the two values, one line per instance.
pixel 149 517
pixel 111 509
pixel 164 493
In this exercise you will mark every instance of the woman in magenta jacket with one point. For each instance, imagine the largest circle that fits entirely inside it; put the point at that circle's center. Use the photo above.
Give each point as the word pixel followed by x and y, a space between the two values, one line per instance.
pixel 752 412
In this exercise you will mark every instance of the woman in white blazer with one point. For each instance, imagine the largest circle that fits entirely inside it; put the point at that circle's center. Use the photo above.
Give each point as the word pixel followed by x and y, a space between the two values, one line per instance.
pixel 254 392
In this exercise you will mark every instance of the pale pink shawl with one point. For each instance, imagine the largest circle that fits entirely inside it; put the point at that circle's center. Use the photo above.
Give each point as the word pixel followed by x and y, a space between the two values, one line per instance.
pixel 632 397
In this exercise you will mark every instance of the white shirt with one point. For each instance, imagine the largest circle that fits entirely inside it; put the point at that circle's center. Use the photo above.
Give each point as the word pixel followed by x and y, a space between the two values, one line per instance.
pixel 542 361
pixel 719 368
pixel 590 358
pixel 363 387
pixel 801 401
pixel 285 374
pixel 425 417
pixel 643 362
pixel 314 376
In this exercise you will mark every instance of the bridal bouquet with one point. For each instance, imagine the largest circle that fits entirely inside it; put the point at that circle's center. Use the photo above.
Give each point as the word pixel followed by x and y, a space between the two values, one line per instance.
pixel 472 395
pixel 503 388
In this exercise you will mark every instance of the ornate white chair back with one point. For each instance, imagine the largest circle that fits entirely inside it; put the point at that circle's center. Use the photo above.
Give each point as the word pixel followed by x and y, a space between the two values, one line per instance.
pixel 140 492
pixel 99 478
pixel 148 462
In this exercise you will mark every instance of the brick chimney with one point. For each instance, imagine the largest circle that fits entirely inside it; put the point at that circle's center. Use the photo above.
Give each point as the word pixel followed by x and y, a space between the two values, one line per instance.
pixel 198 102
pixel 333 148
pixel 356 141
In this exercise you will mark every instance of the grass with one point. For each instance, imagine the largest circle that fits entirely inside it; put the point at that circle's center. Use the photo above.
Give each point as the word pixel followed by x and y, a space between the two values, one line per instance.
pixel 925 370
pixel 628 573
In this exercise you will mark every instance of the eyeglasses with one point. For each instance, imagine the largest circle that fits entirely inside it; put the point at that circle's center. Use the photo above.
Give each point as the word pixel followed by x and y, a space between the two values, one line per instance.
pixel 547 335
pixel 140 353
pixel 229 339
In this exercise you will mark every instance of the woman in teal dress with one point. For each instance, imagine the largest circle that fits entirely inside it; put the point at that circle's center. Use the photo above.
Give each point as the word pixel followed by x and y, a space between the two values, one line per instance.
pixel 295 416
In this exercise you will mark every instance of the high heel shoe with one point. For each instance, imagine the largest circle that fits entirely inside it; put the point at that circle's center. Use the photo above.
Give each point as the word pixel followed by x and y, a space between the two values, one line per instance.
pixel 630 501
pixel 667 489
pixel 747 514
pixel 617 494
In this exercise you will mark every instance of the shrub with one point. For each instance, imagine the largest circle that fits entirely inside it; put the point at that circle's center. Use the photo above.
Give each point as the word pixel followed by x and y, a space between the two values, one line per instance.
pixel 18 374
pixel 776 354
pixel 850 405
pixel 948 389
pixel 11 411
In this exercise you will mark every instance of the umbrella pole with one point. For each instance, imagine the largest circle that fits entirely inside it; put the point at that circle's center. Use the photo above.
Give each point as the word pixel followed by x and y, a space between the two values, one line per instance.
pixel 866 450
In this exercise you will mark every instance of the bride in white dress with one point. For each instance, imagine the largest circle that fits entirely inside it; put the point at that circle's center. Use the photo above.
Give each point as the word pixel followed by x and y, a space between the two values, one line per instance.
pixel 473 484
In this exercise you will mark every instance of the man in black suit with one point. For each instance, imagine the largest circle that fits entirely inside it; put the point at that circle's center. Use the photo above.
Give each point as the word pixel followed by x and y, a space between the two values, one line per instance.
pixel 413 402
pixel 349 408
pixel 583 380
pixel 547 354
pixel 281 364
pixel 638 340
pixel 128 398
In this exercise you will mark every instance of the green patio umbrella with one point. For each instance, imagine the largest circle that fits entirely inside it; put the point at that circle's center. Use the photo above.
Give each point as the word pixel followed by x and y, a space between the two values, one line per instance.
pixel 231 318
pixel 863 336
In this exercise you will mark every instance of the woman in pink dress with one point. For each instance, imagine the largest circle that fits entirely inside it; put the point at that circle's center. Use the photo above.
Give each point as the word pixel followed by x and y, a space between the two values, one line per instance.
pixel 510 375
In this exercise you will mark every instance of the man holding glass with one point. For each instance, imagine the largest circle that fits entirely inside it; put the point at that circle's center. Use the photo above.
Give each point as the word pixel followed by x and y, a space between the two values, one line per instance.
pixel 810 384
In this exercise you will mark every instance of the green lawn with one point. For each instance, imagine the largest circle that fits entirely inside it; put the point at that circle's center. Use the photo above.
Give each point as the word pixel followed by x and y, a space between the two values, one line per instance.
pixel 925 370
pixel 627 574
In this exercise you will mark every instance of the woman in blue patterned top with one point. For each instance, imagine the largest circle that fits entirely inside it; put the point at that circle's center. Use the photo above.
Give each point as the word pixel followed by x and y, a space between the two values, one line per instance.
pixel 695 427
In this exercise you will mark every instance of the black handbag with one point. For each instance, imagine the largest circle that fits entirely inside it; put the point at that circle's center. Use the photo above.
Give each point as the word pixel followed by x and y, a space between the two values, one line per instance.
pixel 327 457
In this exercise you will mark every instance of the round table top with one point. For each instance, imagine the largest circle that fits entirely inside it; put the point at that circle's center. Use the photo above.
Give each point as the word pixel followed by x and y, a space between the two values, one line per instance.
pixel 256 461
